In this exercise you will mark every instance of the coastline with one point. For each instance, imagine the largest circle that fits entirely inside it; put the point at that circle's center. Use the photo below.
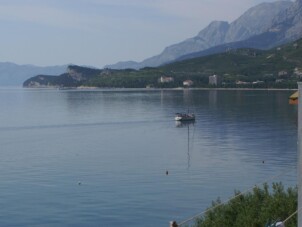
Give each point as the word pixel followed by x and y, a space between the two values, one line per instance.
pixel 183 89
pixel 155 89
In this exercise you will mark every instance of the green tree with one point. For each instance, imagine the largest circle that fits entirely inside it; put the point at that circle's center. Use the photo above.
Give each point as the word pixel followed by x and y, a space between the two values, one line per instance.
pixel 253 209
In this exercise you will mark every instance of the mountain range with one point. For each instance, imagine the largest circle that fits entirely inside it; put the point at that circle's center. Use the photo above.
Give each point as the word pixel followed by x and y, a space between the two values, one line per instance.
pixel 14 75
pixel 263 26
pixel 279 67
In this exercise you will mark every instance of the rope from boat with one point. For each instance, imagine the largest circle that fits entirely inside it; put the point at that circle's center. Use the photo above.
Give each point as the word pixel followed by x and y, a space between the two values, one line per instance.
pixel 293 214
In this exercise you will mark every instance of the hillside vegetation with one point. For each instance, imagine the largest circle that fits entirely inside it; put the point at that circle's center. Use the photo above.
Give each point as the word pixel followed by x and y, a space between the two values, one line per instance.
pixel 257 208
pixel 276 68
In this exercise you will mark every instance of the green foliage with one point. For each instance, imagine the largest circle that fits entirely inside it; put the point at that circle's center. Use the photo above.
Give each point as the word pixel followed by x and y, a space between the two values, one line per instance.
pixel 84 70
pixel 254 209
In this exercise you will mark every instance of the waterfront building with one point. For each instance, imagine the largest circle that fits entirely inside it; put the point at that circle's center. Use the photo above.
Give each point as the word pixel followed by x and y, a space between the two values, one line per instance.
pixel 166 79
pixel 215 80
pixel 188 83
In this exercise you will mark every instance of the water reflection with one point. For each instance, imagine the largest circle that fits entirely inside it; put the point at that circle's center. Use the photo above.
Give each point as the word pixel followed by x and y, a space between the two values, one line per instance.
pixel 188 124
pixel 213 97
pixel 184 124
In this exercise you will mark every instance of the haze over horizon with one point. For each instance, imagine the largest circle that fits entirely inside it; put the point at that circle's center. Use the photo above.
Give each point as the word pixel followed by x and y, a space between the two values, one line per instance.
pixel 101 32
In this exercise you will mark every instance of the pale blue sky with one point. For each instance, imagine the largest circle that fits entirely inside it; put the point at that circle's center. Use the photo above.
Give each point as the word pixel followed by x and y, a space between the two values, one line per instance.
pixel 100 32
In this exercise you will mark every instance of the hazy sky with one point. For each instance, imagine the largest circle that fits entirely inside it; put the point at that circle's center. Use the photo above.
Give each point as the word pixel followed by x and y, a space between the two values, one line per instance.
pixel 100 32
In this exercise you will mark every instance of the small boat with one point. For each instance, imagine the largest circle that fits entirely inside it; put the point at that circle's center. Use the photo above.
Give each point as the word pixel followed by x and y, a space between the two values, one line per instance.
pixel 184 117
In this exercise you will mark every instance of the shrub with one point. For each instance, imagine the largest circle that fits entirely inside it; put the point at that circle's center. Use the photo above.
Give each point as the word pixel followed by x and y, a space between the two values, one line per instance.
pixel 253 209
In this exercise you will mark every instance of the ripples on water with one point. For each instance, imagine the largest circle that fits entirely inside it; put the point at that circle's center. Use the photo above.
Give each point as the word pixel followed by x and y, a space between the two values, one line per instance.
pixel 99 158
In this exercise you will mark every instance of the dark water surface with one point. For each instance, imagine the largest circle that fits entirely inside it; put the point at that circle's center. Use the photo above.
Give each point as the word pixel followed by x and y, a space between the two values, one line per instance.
pixel 99 157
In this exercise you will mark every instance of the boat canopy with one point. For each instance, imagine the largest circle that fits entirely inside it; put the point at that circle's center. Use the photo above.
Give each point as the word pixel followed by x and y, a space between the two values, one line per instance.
pixel 293 99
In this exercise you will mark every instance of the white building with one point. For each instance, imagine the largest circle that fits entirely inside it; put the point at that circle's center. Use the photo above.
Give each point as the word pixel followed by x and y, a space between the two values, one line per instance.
pixel 215 80
pixel 187 83
pixel 165 79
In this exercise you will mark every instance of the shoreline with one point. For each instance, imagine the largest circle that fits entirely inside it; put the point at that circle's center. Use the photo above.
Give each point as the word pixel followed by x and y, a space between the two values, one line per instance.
pixel 184 89
pixel 153 89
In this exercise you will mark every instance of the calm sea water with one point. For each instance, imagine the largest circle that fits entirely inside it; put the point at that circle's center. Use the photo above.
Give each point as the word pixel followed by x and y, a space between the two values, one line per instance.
pixel 99 158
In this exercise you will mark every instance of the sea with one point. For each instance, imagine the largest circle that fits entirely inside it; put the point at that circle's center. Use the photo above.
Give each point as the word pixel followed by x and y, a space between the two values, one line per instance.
pixel 116 157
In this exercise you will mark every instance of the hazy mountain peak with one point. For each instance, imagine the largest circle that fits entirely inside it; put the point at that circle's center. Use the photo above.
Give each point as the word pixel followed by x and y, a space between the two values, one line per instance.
pixel 214 26
pixel 289 22
pixel 254 21
pixel 12 74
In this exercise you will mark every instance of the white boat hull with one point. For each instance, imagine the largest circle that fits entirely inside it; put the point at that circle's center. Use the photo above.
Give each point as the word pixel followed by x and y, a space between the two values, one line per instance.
pixel 185 117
